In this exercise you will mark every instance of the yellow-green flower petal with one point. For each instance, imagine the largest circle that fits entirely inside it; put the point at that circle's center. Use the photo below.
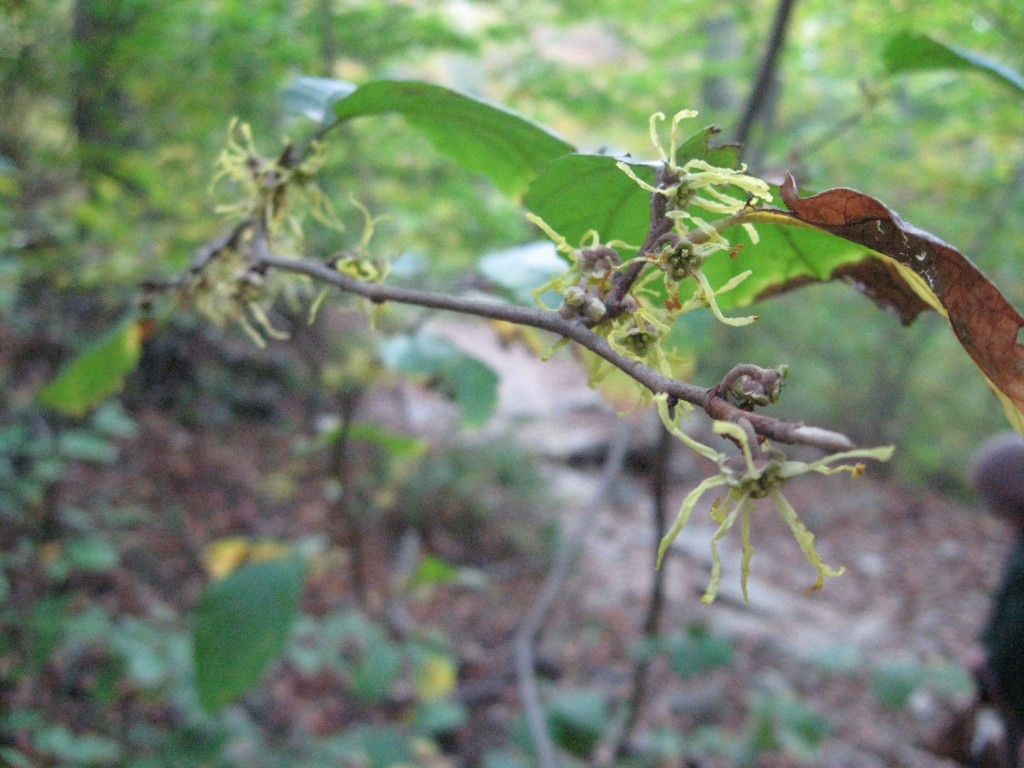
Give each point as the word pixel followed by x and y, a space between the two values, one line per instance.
pixel 725 518
pixel 804 538
pixel 737 433
pixel 685 511
pixel 748 548
pixel 661 400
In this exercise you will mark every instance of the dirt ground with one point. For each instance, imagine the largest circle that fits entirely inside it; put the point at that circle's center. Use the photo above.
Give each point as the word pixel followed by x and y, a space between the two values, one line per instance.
pixel 919 570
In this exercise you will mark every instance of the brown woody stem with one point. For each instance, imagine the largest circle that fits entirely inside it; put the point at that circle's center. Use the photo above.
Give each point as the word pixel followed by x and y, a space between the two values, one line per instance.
pixel 707 398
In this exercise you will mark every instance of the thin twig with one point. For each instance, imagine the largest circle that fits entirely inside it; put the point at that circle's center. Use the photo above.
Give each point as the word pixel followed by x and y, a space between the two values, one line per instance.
pixel 661 225
pixel 705 398
pixel 538 612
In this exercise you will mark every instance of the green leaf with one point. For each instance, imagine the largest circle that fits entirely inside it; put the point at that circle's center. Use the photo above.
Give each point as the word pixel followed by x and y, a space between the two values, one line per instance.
pixel 577 719
pixel 432 570
pixel 434 717
pixel 473 385
pixel 397 445
pixel 377 671
pixel 837 658
pixel 504 759
pixel 578 193
pixel 111 420
pixel 92 555
pixel 895 682
pixel 48 627
pixel 482 137
pixel 949 679
pixel 698 147
pixel 241 625
pixel 800 729
pixel 13 758
pixel 85 445
pixel 374 746
pixel 911 51
pixel 96 373
pixel 697 650
pixel 71 749
pixel 786 253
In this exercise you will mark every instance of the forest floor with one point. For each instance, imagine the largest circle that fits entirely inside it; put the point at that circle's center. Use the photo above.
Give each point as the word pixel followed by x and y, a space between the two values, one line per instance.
pixel 919 571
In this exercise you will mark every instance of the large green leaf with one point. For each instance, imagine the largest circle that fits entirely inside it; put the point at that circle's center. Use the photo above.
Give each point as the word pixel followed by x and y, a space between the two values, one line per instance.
pixel 911 51
pixel 581 192
pixel 482 137
pixel 241 626
pixel 471 384
pixel 578 193
pixel 96 373
pixel 787 254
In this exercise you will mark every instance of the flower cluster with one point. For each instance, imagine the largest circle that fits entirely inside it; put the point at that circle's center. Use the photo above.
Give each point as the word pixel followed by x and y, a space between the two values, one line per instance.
pixel 637 322
pixel 266 184
pixel 693 203
pixel 680 254
pixel 274 197
pixel 749 478
pixel 230 289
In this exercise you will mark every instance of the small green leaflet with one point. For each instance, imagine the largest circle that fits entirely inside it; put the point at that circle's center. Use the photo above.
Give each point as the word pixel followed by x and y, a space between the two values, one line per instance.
pixel 396 445
pixel 911 51
pixel 470 383
pixel 432 570
pixel 483 138
pixel 242 624
pixel 577 718
pixel 96 373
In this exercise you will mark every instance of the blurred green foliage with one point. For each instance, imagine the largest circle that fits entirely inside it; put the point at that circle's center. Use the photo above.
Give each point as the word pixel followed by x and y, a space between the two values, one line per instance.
pixel 113 115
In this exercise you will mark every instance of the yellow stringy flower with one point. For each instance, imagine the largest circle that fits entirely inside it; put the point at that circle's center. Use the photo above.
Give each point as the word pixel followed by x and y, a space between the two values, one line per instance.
pixel 747 480
pixel 698 183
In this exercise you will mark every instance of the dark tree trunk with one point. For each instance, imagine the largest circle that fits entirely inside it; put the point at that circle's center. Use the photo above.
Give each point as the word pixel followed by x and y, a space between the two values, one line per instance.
pixel 102 113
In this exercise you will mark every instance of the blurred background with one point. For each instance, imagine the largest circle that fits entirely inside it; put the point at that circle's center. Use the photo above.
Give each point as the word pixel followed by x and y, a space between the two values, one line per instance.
pixel 430 540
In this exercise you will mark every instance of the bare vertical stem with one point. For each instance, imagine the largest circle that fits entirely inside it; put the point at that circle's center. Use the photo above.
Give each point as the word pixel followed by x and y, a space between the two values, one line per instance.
pixel 348 520
pixel 641 670
pixel 547 757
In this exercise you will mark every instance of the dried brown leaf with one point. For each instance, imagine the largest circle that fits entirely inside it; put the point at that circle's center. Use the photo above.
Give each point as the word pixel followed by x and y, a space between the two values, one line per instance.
pixel 985 323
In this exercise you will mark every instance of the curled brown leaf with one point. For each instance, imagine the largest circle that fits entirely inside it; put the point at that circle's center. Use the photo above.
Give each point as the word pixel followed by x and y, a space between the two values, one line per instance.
pixel 985 323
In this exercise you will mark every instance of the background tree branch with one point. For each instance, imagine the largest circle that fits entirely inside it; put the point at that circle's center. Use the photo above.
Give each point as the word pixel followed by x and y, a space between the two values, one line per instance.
pixel 766 71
